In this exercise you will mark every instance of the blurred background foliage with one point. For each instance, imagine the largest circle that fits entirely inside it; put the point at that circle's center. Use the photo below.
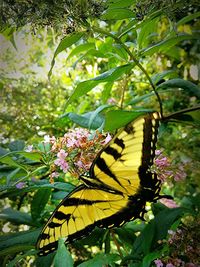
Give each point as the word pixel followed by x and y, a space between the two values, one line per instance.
pixel 94 50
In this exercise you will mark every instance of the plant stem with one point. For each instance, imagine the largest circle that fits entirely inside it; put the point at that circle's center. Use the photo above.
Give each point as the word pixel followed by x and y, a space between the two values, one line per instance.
pixel 133 58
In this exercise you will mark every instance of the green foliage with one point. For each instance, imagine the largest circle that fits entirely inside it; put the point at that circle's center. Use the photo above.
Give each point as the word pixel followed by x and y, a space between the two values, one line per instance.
pixel 103 73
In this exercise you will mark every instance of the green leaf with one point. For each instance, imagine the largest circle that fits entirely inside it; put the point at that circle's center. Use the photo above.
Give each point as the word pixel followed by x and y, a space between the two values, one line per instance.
pixel 156 230
pixel 45 261
pixel 119 3
pixel 167 44
pixel 95 115
pixel 115 119
pixel 164 220
pixel 62 257
pixel 101 260
pixel 10 191
pixel 6 159
pixel 16 145
pixel 15 175
pixel 85 120
pixel 117 14
pixel 108 76
pixel 3 151
pixel 145 31
pixel 165 74
pixel 147 260
pixel 120 52
pixel 106 92
pixel 39 202
pixel 188 18
pixel 35 156
pixel 16 217
pixel 17 242
pixel 80 49
pixel 126 236
pixel 180 83
pixel 66 42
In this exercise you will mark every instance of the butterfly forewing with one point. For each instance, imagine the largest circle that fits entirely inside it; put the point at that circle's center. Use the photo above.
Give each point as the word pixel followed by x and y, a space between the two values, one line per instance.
pixel 130 151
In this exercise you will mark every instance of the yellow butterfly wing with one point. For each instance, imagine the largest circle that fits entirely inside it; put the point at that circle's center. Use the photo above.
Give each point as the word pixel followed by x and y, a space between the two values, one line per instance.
pixel 117 188
pixel 79 213
pixel 123 165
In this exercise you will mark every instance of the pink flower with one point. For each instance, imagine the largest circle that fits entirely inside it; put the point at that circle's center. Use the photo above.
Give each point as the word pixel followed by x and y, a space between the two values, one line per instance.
pixel 107 139
pixel 158 263
pixel 162 162
pixel 55 174
pixel 20 185
pixel 62 154
pixel 170 265
pixel 169 203
pixel 158 152
pixel 79 164
pixel 180 175
pixel 71 142
pixel 64 166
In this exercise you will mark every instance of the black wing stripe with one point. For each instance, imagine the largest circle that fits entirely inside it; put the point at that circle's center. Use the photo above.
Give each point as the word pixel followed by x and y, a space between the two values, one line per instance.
pixel 113 152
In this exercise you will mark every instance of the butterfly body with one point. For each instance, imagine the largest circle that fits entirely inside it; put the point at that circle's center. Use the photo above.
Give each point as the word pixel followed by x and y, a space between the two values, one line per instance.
pixel 116 190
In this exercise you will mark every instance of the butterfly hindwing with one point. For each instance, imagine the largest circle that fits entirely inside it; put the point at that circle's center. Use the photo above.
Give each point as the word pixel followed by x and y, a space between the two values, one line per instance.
pixel 79 213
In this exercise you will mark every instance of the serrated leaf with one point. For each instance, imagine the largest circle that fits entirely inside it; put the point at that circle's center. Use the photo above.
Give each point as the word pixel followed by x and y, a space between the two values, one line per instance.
pixel 66 42
pixel 108 76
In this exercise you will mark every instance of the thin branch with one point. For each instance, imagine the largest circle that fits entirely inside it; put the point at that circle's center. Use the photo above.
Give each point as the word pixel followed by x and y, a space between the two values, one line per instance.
pixel 133 58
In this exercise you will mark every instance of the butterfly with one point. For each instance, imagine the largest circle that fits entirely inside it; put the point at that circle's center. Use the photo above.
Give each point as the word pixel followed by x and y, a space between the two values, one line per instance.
pixel 115 191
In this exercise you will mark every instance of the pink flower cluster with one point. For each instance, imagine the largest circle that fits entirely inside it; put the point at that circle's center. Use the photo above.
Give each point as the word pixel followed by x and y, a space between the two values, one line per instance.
pixel 75 151
pixel 61 162
pixel 165 169
pixel 183 244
